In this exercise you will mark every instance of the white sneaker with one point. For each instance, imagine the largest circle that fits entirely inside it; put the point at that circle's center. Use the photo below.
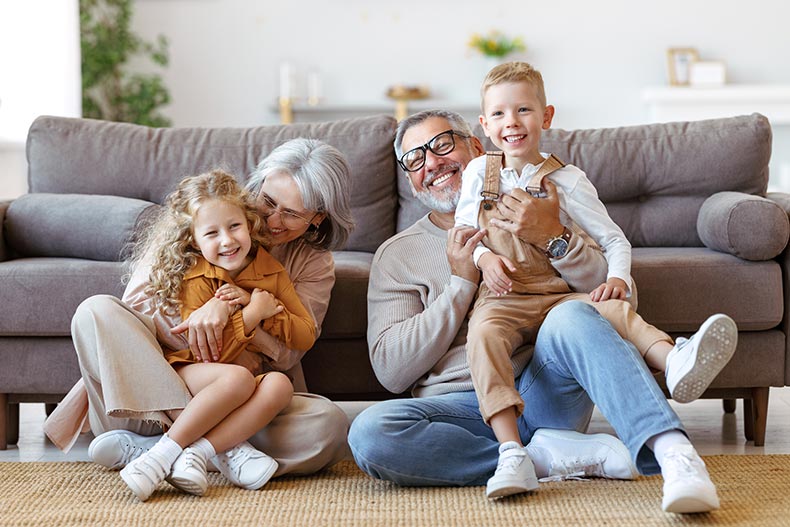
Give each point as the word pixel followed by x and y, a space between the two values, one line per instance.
pixel 514 472
pixel 144 474
pixel 687 484
pixel 189 472
pixel 116 448
pixel 694 362
pixel 567 454
pixel 245 466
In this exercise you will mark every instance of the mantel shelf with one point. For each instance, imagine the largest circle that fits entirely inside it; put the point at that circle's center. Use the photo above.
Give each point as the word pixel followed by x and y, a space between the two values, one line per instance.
pixel 684 103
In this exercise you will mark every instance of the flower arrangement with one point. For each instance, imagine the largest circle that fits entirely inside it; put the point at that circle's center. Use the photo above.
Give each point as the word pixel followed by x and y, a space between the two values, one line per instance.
pixel 496 44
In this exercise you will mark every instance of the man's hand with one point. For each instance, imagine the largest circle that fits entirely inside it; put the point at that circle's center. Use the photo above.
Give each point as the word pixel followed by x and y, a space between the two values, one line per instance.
pixel 533 220
pixel 613 288
pixel 461 243
pixel 205 326
pixel 495 268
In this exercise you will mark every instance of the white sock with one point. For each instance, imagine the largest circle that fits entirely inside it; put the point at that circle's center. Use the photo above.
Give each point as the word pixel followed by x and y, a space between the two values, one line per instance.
pixel 205 447
pixel 659 443
pixel 168 449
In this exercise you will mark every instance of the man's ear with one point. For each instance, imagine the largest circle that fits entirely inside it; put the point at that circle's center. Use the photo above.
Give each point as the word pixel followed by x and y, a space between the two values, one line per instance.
pixel 548 115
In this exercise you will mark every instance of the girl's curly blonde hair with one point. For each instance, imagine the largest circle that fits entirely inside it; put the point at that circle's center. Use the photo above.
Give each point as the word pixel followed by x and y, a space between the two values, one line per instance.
pixel 167 243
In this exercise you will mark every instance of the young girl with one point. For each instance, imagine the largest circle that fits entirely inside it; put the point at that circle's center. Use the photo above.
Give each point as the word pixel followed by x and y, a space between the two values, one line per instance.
pixel 207 237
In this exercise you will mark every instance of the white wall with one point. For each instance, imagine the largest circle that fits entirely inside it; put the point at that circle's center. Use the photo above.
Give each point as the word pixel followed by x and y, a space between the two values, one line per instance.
pixel 39 74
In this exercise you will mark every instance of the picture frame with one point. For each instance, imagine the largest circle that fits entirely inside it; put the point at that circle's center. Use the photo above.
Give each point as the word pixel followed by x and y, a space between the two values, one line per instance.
pixel 679 62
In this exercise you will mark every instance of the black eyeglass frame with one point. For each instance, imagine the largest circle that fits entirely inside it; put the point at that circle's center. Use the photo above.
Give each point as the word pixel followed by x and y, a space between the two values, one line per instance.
pixel 427 146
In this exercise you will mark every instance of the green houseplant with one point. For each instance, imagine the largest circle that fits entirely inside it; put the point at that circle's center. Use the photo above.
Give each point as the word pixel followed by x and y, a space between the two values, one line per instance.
pixel 109 91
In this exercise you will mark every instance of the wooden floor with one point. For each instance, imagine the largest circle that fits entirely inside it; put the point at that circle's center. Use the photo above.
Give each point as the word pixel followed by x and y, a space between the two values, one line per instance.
pixel 711 430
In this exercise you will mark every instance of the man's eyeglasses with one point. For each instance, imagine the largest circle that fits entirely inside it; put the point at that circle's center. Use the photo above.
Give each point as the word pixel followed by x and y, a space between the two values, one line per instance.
pixel 289 218
pixel 441 145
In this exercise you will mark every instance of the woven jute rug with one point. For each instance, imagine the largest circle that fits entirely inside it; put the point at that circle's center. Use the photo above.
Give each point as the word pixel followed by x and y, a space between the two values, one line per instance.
pixel 754 491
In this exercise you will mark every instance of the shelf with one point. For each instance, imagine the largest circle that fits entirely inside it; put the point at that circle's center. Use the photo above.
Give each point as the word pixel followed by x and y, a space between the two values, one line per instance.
pixel 688 103
pixel 326 112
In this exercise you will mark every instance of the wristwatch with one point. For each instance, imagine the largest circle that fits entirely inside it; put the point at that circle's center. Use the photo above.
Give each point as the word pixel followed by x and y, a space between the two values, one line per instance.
pixel 558 246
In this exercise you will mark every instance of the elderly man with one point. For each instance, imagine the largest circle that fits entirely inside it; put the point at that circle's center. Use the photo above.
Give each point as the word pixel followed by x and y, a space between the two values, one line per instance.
pixel 422 285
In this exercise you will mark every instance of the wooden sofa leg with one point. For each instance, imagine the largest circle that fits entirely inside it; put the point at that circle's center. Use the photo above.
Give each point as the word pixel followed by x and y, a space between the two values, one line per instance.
pixel 12 430
pixel 729 405
pixel 3 420
pixel 748 419
pixel 759 414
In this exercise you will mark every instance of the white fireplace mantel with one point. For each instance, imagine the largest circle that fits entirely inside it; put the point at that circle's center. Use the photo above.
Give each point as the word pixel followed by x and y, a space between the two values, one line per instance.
pixel 690 103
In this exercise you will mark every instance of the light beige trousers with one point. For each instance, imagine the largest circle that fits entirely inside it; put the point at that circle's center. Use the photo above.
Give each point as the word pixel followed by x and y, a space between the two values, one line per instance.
pixel 130 385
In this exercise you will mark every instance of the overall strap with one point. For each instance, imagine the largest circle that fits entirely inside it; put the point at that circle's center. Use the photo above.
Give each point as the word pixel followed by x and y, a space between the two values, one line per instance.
pixel 490 190
pixel 552 164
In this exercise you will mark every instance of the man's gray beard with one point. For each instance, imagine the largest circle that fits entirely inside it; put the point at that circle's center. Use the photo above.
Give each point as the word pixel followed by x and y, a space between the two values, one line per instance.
pixel 434 203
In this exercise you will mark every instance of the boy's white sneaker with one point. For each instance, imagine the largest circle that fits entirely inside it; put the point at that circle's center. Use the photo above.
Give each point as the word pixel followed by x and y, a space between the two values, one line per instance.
pixel 245 466
pixel 117 448
pixel 144 474
pixel 694 362
pixel 567 454
pixel 687 484
pixel 189 472
pixel 514 472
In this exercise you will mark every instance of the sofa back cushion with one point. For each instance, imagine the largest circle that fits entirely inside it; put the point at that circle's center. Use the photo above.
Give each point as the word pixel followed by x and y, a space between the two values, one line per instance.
pixel 83 156
pixel 654 178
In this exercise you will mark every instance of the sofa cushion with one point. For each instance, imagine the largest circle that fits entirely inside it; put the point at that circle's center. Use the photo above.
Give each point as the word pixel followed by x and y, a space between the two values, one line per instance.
pixel 750 227
pixel 346 316
pixel 146 163
pixel 680 287
pixel 39 295
pixel 71 225
pixel 654 178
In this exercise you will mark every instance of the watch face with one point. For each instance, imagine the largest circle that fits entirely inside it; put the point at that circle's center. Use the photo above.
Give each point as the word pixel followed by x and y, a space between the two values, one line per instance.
pixel 558 248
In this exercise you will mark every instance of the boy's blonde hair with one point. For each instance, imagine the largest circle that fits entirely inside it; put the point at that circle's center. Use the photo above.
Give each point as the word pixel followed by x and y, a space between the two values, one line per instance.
pixel 514 72
pixel 168 241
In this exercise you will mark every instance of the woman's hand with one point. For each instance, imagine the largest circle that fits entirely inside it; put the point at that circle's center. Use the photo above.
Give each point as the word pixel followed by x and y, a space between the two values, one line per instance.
pixel 205 326
pixel 233 295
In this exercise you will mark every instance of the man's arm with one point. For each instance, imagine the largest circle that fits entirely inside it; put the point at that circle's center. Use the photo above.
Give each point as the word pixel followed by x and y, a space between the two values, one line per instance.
pixel 536 221
pixel 416 305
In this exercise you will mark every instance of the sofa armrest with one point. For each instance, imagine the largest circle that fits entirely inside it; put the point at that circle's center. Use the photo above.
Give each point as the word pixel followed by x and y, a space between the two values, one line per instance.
pixel 3 250
pixel 747 226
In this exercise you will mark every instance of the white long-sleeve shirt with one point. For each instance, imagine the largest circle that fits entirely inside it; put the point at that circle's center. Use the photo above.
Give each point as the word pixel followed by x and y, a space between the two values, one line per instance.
pixel 577 197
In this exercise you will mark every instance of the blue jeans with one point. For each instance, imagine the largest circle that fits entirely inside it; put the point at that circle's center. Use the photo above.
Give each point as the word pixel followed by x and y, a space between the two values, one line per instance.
pixel 579 361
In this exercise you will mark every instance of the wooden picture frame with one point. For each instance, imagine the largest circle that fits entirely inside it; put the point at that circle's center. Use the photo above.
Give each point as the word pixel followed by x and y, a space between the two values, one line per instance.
pixel 678 65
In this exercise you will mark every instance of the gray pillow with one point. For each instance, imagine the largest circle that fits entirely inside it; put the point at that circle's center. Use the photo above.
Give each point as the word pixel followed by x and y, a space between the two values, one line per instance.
pixel 746 226
pixel 71 225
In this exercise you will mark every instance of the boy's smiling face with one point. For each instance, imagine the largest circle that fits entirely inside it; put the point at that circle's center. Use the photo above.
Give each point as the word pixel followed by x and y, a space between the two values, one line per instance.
pixel 513 119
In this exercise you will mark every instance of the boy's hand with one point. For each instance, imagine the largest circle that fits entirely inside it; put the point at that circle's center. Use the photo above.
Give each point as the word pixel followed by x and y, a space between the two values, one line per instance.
pixel 495 270
pixel 613 288
pixel 263 304
pixel 233 294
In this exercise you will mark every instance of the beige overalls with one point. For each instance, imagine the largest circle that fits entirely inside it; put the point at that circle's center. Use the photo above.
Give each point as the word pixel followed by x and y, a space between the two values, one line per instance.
pixel 500 324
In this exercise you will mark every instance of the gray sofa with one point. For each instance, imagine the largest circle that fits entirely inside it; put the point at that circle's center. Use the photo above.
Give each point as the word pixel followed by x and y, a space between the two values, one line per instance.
pixel 689 196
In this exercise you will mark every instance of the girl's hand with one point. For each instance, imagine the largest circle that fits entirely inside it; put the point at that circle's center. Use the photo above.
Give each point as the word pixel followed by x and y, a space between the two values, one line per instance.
pixel 263 304
pixel 233 294
pixel 495 270
pixel 614 288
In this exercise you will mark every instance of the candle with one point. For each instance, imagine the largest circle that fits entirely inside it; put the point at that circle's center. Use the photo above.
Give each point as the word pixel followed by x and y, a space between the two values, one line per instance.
pixel 285 80
pixel 313 88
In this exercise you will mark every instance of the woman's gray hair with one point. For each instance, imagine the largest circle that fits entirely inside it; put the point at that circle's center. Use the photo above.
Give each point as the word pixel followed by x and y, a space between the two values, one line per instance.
pixel 322 175
pixel 456 120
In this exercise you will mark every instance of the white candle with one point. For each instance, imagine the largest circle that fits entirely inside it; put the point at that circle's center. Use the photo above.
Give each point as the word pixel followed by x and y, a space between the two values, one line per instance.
pixel 285 80
pixel 313 88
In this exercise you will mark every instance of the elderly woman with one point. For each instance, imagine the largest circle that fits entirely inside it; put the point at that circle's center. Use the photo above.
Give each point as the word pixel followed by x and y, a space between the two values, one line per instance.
pixel 132 392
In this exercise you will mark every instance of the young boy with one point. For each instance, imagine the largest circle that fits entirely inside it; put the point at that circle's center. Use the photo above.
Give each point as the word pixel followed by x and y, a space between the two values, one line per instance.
pixel 520 286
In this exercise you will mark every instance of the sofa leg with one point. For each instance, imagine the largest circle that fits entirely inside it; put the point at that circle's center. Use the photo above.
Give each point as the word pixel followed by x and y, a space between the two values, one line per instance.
pixel 3 420
pixel 729 405
pixel 12 430
pixel 759 414
pixel 748 419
